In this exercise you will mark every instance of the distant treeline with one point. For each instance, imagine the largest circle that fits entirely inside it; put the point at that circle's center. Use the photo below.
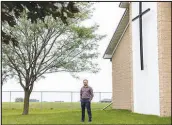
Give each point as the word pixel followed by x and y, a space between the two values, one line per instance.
pixel 22 100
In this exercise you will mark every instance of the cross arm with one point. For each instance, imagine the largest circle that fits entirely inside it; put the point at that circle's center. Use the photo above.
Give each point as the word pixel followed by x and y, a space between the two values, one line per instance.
pixel 144 12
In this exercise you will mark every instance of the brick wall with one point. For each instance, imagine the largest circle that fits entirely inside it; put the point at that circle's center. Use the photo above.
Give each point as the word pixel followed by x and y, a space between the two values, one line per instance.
pixel 122 73
pixel 131 57
pixel 164 53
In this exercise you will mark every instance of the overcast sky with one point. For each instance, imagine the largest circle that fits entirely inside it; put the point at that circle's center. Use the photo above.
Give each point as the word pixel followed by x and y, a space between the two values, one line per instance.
pixel 107 15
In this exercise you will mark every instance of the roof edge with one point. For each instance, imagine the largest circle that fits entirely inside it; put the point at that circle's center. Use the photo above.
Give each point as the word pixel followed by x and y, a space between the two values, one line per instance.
pixel 110 56
pixel 124 4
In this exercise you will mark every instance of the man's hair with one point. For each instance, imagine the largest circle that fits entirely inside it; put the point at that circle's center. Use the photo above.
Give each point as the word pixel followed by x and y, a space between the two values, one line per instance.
pixel 85 80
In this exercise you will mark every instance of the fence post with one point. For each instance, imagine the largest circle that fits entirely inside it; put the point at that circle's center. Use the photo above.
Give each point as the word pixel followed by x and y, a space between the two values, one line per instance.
pixel 10 99
pixel 41 100
pixel 71 99
pixel 99 96
pixel 71 96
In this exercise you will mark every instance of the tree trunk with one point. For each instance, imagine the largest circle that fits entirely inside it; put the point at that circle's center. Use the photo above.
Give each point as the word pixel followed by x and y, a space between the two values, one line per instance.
pixel 26 102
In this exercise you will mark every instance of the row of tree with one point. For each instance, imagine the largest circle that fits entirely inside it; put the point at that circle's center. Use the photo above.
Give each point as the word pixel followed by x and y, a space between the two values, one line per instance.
pixel 47 45
pixel 22 100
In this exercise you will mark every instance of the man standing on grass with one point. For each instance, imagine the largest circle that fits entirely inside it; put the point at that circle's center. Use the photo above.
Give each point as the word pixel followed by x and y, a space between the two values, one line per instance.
pixel 86 95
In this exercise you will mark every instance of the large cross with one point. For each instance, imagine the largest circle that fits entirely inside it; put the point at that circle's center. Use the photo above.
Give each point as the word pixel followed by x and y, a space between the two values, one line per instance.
pixel 140 27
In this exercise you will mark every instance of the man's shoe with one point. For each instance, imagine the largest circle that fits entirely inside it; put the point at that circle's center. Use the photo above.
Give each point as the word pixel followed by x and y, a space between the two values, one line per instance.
pixel 82 120
pixel 89 119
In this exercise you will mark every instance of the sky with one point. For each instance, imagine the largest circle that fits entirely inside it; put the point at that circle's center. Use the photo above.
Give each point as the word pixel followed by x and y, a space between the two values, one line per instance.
pixel 107 15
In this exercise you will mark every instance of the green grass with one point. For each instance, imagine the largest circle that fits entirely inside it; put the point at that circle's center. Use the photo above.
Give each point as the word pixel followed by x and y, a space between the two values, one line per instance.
pixel 67 113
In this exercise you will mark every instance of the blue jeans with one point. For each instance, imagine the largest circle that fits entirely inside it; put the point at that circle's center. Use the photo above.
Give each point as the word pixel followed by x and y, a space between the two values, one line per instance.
pixel 86 103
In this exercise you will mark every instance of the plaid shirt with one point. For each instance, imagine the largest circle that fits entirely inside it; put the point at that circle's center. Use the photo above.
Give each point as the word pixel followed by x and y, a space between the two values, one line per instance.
pixel 86 92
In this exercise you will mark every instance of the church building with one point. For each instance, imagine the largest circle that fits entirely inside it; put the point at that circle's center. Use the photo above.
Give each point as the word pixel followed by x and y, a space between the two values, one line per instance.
pixel 140 52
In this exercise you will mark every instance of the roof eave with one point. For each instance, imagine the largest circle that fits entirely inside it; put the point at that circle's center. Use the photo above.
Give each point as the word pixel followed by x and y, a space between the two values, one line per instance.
pixel 106 54
pixel 124 4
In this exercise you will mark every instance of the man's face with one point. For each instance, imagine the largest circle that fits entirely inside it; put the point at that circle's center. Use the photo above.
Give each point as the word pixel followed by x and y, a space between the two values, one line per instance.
pixel 85 82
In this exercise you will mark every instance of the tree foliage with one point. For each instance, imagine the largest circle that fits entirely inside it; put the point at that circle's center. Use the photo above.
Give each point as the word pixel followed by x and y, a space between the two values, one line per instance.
pixel 37 10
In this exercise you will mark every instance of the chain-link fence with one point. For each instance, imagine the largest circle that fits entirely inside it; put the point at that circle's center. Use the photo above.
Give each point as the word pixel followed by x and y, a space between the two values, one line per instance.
pixel 52 99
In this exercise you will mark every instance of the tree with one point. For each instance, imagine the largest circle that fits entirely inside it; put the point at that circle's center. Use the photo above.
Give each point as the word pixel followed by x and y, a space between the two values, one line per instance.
pixel 37 10
pixel 6 73
pixel 50 46
pixel 19 100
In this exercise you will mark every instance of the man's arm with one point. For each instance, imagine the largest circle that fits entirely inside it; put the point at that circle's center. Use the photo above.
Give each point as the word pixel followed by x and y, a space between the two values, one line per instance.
pixel 81 94
pixel 92 94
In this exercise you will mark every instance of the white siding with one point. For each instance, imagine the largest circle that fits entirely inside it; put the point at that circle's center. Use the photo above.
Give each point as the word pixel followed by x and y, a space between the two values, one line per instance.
pixel 145 82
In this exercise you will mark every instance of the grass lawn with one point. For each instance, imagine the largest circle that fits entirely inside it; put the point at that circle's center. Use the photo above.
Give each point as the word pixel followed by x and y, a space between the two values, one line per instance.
pixel 67 113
